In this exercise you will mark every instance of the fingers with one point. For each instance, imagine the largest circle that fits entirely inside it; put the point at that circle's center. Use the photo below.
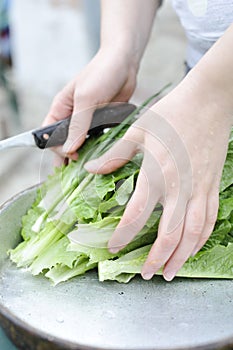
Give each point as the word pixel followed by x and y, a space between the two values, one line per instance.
pixel 78 129
pixel 211 217
pixel 147 191
pixel 58 161
pixel 61 108
pixel 174 246
pixel 59 158
pixel 79 125
pixel 120 154
pixel 126 91
pixel 65 105
pixel 192 233
pixel 137 212
pixel 167 241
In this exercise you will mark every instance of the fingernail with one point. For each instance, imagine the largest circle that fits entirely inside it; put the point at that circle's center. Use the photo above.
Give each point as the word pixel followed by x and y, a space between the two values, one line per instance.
pixel 169 275
pixel 147 275
pixel 68 146
pixel 89 166
pixel 113 250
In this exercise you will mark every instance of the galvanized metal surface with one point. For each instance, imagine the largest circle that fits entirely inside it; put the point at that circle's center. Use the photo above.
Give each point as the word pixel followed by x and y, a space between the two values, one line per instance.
pixel 85 313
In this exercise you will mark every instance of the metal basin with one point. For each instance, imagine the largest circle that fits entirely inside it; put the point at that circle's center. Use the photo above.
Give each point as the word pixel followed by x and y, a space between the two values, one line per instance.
pixel 87 314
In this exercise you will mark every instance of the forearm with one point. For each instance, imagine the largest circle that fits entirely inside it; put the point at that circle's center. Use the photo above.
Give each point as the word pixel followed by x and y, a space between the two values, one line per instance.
pixel 213 76
pixel 126 25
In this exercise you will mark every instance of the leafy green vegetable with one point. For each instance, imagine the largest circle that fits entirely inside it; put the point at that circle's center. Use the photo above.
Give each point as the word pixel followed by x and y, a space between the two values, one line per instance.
pixel 225 208
pixel 61 273
pixel 66 231
pixel 57 254
pixel 216 262
pixel 227 178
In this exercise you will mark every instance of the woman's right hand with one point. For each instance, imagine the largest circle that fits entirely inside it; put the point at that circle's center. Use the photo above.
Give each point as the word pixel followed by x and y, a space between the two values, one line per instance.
pixel 109 77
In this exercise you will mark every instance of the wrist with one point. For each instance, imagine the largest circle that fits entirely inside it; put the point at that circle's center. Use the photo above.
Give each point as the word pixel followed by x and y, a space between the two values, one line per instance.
pixel 208 95
pixel 212 75
pixel 120 56
pixel 122 51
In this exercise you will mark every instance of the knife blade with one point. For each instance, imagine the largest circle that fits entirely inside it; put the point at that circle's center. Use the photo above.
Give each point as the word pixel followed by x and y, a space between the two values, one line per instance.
pixel 56 133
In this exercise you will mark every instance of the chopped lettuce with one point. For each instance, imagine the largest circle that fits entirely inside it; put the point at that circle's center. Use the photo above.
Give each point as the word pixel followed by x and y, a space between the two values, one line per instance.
pixel 216 262
pixel 225 208
pixel 57 254
pixel 66 231
pixel 61 273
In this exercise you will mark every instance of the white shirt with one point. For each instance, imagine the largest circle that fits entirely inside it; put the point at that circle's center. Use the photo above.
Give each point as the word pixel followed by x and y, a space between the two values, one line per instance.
pixel 204 21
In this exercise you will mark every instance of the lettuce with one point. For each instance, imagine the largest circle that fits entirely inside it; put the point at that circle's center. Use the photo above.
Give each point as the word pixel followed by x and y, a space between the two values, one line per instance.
pixel 66 231
pixel 216 262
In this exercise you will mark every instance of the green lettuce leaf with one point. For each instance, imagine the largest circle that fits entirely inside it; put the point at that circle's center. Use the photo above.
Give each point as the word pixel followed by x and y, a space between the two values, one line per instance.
pixel 61 273
pixel 56 254
pixel 120 197
pixel 225 208
pixel 213 263
pixel 27 251
pixel 66 231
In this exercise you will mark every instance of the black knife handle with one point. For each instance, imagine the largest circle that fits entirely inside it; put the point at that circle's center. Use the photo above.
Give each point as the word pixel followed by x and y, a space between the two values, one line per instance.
pixel 106 117
pixel 52 135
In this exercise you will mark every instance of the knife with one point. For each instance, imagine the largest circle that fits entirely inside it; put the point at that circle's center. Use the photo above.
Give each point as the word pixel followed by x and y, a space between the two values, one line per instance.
pixel 56 134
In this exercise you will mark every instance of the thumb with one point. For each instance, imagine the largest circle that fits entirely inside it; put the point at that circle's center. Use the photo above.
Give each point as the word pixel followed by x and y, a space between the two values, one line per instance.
pixel 78 129
pixel 118 155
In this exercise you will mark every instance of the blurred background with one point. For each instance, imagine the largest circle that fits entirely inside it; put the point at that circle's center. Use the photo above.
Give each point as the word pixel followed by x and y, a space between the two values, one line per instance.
pixel 43 44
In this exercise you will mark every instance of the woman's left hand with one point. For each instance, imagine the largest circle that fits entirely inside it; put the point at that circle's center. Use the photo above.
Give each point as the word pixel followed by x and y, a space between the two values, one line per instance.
pixel 184 139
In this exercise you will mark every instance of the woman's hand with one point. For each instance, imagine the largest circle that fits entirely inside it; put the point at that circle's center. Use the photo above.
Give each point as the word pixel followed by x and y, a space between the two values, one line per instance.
pixel 109 77
pixel 184 139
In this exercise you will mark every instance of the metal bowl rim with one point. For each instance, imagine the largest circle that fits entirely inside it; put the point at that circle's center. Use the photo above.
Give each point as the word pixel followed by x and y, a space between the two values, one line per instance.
pixel 7 314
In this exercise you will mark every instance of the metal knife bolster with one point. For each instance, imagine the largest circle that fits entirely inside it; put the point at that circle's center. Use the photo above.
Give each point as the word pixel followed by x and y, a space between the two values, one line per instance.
pixel 106 117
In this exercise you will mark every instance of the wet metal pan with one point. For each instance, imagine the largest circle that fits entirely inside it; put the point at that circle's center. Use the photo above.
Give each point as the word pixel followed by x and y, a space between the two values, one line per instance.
pixel 87 314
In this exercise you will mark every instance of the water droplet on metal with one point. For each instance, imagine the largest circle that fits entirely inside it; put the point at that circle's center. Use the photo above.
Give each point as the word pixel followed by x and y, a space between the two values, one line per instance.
pixel 60 319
